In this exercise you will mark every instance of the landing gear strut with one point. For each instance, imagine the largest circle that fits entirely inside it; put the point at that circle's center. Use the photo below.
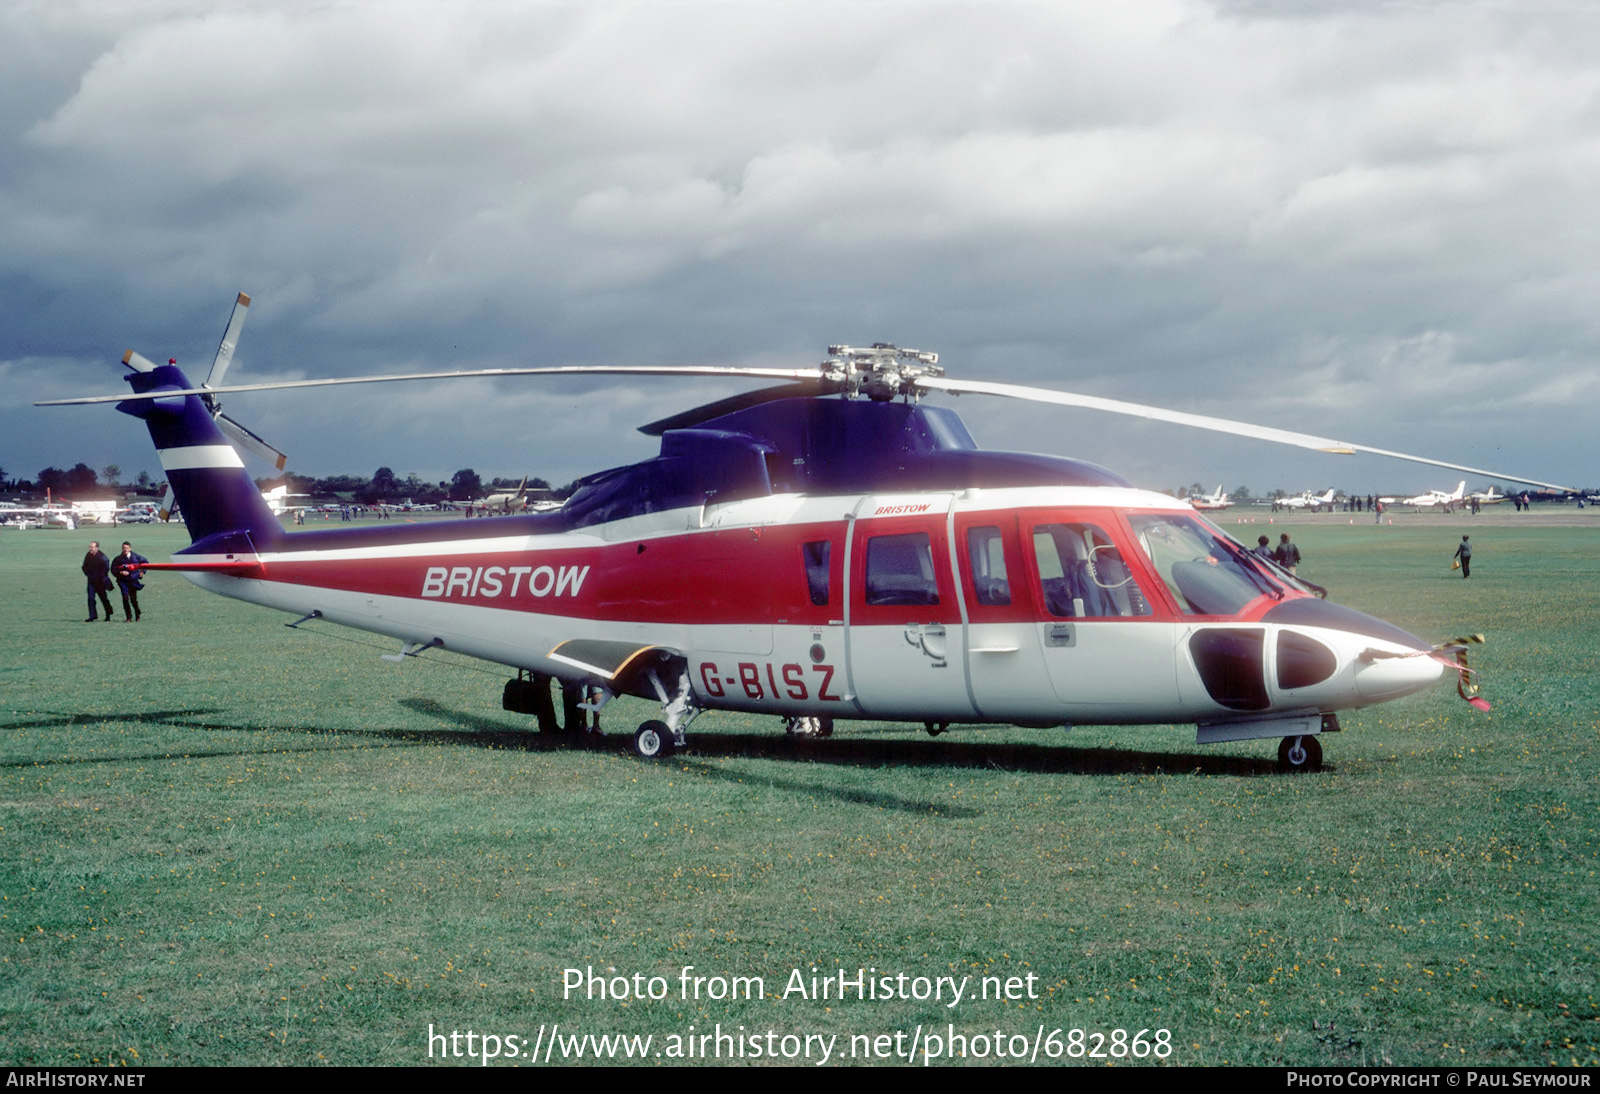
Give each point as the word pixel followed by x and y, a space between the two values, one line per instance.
pixel 660 738
pixel 1297 754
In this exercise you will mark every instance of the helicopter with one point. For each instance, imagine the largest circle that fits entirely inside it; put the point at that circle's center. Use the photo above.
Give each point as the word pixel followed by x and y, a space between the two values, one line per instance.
pixel 826 550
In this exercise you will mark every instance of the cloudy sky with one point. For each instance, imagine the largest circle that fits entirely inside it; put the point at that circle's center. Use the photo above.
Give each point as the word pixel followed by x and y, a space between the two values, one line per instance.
pixel 1375 221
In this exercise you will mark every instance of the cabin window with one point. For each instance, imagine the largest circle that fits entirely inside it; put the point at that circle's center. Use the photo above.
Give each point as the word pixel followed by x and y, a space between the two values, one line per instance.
pixel 900 570
pixel 1082 574
pixel 818 555
pixel 987 558
pixel 1207 573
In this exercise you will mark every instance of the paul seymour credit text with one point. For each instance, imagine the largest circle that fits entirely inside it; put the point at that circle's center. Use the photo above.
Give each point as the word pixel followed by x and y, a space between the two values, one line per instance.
pixel 922 1043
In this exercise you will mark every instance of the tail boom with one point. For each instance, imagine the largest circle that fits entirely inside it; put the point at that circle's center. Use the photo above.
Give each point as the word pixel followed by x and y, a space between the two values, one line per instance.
pixel 214 492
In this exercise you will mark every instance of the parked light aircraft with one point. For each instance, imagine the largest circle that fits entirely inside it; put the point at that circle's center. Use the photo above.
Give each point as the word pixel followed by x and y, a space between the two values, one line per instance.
pixel 1212 502
pixel 1438 499
pixel 1316 503
pixel 280 501
pixel 828 549
pixel 514 502
pixel 53 515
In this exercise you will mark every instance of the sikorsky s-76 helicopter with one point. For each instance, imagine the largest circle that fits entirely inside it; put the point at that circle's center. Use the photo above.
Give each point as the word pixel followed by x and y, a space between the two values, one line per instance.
pixel 827 549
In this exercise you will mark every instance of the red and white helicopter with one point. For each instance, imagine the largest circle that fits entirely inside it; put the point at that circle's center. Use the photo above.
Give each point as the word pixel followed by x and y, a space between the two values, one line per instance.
pixel 827 549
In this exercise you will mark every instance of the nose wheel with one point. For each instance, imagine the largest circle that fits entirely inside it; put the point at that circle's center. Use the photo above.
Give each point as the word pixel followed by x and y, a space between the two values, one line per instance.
pixel 1300 754
pixel 653 740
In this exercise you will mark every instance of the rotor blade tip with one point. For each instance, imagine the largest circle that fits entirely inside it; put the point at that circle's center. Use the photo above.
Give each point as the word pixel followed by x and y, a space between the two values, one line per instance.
pixel 244 298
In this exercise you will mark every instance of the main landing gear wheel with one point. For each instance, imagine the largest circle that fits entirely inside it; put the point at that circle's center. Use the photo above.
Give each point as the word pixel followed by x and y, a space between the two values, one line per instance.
pixel 804 726
pixel 1297 754
pixel 653 741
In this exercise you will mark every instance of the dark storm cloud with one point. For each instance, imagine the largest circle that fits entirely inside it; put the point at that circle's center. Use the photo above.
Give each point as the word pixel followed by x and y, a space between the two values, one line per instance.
pixel 1367 220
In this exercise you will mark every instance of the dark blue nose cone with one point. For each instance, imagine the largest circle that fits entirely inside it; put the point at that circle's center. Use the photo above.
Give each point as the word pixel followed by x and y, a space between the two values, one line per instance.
pixel 1310 612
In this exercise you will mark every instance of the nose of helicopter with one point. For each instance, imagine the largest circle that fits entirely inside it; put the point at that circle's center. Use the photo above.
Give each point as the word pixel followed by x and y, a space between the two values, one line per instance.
pixel 1383 678
pixel 1388 662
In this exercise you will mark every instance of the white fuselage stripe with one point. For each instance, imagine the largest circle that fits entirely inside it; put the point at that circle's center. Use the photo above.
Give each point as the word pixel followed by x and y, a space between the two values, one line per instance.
pixel 199 455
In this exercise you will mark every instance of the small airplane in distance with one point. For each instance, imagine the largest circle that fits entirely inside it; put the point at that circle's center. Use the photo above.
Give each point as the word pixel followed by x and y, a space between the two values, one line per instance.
pixel 508 502
pixel 280 501
pixel 59 514
pixel 1314 502
pixel 1436 499
pixel 1491 496
pixel 1210 502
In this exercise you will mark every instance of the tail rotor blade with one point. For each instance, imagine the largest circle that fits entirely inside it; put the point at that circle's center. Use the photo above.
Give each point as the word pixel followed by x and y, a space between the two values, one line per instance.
pixel 230 339
pixel 250 442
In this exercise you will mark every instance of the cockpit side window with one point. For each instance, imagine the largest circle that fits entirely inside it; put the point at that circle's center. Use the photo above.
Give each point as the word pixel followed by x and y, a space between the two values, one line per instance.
pixel 1082 574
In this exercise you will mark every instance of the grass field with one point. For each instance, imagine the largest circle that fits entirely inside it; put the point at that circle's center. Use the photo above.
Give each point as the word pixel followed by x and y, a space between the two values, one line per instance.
pixel 229 842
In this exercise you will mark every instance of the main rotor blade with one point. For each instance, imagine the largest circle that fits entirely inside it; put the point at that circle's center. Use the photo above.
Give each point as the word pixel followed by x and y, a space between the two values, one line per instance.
pixel 690 418
pixel 563 370
pixel 1200 421
pixel 230 339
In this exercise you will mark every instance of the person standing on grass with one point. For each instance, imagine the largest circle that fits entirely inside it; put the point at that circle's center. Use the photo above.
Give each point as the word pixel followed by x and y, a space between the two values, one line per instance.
pixel 127 568
pixel 1464 553
pixel 1287 555
pixel 97 574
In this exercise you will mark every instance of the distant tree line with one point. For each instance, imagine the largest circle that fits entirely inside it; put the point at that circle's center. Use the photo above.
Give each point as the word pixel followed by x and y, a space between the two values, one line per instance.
pixel 385 487
pixel 82 481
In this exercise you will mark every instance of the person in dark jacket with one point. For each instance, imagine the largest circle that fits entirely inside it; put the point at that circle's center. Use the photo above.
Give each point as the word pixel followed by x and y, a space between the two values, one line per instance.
pixel 1287 554
pixel 1464 553
pixel 127 568
pixel 97 573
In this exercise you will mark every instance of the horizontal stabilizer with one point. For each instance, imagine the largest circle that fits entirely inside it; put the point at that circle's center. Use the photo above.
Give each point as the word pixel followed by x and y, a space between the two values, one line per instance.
pixel 233 569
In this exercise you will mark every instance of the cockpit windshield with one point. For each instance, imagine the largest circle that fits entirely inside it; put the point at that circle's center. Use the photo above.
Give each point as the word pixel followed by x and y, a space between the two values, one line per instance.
pixel 1206 572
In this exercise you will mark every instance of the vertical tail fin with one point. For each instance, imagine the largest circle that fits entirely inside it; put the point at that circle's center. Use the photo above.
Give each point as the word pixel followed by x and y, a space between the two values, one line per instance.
pixel 214 492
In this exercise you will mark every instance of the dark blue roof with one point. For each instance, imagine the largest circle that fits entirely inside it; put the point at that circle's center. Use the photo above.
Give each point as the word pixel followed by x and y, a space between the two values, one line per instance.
pixel 808 446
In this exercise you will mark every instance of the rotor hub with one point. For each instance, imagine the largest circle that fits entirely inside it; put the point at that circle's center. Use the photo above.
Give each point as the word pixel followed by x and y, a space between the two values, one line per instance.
pixel 880 372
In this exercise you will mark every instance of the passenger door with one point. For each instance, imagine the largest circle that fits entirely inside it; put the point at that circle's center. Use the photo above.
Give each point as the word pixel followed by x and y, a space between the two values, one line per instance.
pixel 904 628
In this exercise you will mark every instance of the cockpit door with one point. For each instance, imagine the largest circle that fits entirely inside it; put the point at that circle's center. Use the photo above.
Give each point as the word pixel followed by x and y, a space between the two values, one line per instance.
pixel 1110 648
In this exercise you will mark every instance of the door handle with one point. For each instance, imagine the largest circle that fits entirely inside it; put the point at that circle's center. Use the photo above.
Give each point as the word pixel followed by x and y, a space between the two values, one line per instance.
pixel 930 639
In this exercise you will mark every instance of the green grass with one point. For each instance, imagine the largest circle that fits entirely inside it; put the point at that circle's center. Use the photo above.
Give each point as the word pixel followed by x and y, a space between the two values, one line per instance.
pixel 229 842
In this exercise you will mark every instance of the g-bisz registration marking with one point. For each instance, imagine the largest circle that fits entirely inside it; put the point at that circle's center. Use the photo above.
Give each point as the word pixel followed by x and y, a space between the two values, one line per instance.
pixel 763 681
